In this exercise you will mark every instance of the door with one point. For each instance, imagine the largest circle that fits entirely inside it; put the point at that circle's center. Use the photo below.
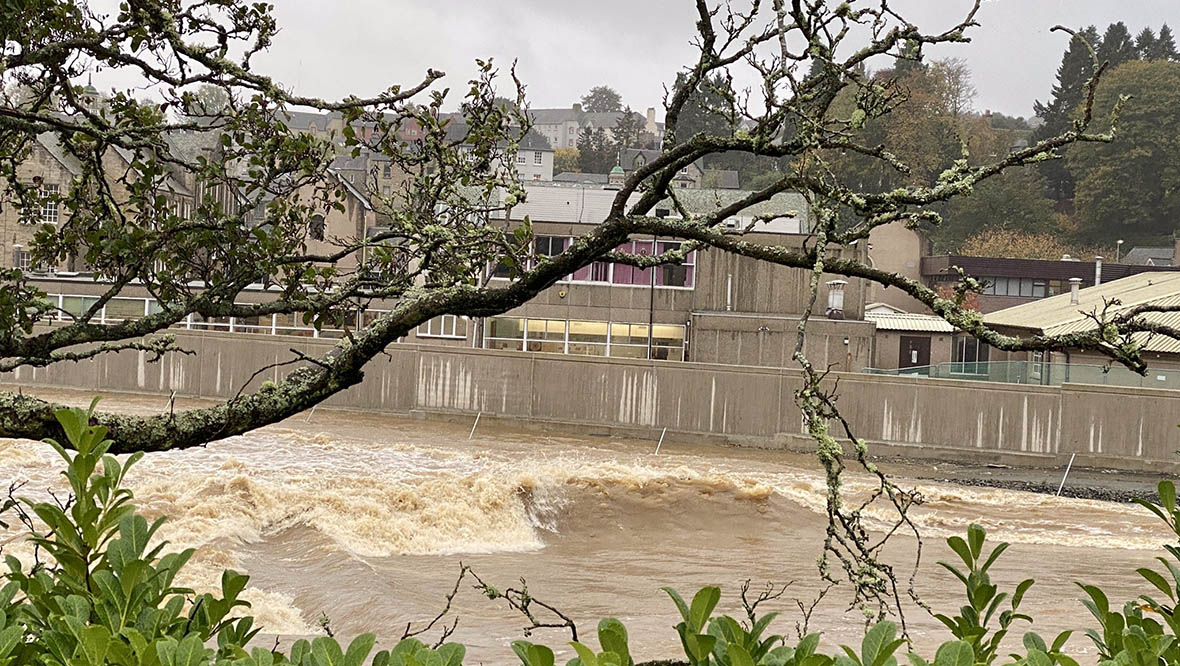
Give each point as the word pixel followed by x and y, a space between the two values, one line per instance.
pixel 915 352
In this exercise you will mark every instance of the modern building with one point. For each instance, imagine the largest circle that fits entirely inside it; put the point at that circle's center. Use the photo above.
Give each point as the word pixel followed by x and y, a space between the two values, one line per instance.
pixel 1075 311
pixel 1012 282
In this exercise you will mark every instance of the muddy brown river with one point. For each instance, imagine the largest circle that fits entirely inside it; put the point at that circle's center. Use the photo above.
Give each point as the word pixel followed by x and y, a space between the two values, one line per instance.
pixel 365 519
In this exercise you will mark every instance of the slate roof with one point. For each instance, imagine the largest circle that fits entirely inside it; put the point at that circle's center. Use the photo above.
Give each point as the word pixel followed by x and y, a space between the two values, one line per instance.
pixel 1153 256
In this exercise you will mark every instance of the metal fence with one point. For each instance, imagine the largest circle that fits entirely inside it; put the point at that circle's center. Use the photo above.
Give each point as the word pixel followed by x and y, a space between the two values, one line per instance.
pixel 1041 374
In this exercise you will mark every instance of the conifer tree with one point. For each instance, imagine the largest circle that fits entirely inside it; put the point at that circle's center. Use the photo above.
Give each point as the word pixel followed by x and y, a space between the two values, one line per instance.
pixel 1076 68
pixel 1117 46
pixel 1165 45
pixel 1145 44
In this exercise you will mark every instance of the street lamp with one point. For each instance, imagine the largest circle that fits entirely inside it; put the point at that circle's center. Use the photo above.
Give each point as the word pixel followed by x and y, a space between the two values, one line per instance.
pixel 1118 247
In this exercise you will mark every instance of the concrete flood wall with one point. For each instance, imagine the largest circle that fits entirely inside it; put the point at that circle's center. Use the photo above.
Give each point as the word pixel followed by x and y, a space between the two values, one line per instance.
pixel 1129 428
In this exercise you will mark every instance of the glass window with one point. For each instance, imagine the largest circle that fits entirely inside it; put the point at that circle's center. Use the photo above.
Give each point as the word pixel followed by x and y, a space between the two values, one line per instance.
pixel 1026 287
pixel 968 355
pixel 549 246
pixel 446 326
pixel 1039 288
pixel 292 324
pixel 505 333
pixel 22 259
pixel 76 305
pixel 537 158
pixel 119 309
pixel 49 207
pixel 520 159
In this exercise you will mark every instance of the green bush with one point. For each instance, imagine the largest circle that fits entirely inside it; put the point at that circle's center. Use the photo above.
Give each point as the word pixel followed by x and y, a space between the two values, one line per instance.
pixel 99 593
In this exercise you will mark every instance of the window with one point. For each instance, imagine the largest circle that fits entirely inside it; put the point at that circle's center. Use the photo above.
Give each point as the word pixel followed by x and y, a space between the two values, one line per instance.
pixel 49 209
pixel 537 158
pixel 969 356
pixel 21 259
pixel 446 326
pixel 549 246
pixel 1023 287
pixel 585 338
pixel 387 172
pixel 520 158
pixel 118 309
pixel 675 275
pixel 505 333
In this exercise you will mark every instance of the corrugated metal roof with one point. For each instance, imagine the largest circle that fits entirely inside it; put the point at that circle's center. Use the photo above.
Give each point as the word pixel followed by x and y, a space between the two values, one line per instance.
pixel 1056 315
pixel 906 321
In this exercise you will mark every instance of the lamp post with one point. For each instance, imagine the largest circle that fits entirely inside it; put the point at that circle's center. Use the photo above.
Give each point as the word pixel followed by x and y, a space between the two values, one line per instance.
pixel 1118 247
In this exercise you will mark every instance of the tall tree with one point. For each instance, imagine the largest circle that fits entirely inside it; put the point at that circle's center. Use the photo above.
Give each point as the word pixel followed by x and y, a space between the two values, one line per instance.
pixel 602 99
pixel 1014 202
pixel 1133 192
pixel 1146 44
pixel 628 128
pixel 596 152
pixel 1117 46
pixel 1165 45
pixel 1077 66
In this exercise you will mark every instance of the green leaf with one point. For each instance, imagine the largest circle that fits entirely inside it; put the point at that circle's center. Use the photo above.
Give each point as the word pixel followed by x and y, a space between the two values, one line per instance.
pixel 703 604
pixel 326 652
pixel 358 649
pixel 976 536
pixel 959 546
pixel 1038 658
pixel 738 655
pixel 875 639
pixel 612 637
pixel 680 605
pixel 452 654
pixel 955 653
pixel 1032 641
pixel 585 654
pixel 1158 581
pixel 1167 492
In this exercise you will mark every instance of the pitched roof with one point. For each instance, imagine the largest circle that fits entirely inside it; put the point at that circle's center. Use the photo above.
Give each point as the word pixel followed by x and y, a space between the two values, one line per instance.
pixel 50 143
pixel 726 179
pixel 905 321
pixel 1155 256
pixel 1056 315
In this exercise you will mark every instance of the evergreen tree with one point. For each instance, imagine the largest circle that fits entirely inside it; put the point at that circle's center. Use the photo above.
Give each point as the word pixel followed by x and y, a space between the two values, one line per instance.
pixel 1076 68
pixel 596 152
pixel 1145 45
pixel 628 128
pixel 1117 46
pixel 911 60
pixel 1165 46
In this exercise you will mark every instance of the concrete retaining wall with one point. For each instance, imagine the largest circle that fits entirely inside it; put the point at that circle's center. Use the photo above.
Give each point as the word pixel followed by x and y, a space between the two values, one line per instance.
pixel 1129 428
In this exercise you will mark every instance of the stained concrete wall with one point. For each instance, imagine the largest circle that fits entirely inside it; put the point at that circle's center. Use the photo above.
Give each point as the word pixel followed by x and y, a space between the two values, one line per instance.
pixel 1129 428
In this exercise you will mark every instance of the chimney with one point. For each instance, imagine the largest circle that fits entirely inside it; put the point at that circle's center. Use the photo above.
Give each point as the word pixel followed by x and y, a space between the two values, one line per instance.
pixel 1075 284
pixel 651 121
pixel 577 108
pixel 836 299
pixel 1097 270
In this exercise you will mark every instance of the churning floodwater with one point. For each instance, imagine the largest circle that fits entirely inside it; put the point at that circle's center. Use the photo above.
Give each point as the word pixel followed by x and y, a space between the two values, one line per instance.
pixel 365 519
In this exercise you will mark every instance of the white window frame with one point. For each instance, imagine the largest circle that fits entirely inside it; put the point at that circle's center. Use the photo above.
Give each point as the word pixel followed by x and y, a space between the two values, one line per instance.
pixel 445 326
pixel 520 159
pixel 50 210
pixel 538 158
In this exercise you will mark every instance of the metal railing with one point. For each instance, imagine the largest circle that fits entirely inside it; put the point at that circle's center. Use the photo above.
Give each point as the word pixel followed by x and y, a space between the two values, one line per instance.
pixel 1040 374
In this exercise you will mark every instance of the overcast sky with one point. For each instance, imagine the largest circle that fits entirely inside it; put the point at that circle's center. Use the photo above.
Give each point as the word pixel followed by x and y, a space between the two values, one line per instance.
pixel 564 47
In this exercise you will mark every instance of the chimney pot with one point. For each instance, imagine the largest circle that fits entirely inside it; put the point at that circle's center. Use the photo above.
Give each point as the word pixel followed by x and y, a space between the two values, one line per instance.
pixel 1097 270
pixel 1075 285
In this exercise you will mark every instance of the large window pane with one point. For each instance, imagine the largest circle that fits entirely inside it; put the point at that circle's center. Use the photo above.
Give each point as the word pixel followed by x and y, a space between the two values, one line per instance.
pixel 505 327
pixel 547 329
pixel 124 308
pixel 76 305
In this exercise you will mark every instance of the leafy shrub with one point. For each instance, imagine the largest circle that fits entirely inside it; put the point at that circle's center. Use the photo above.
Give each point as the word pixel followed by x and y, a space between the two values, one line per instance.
pixel 98 592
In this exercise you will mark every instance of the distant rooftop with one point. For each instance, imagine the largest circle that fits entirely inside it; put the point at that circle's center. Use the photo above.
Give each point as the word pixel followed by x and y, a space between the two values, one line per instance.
pixel 1151 256
pixel 905 321
pixel 1056 315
